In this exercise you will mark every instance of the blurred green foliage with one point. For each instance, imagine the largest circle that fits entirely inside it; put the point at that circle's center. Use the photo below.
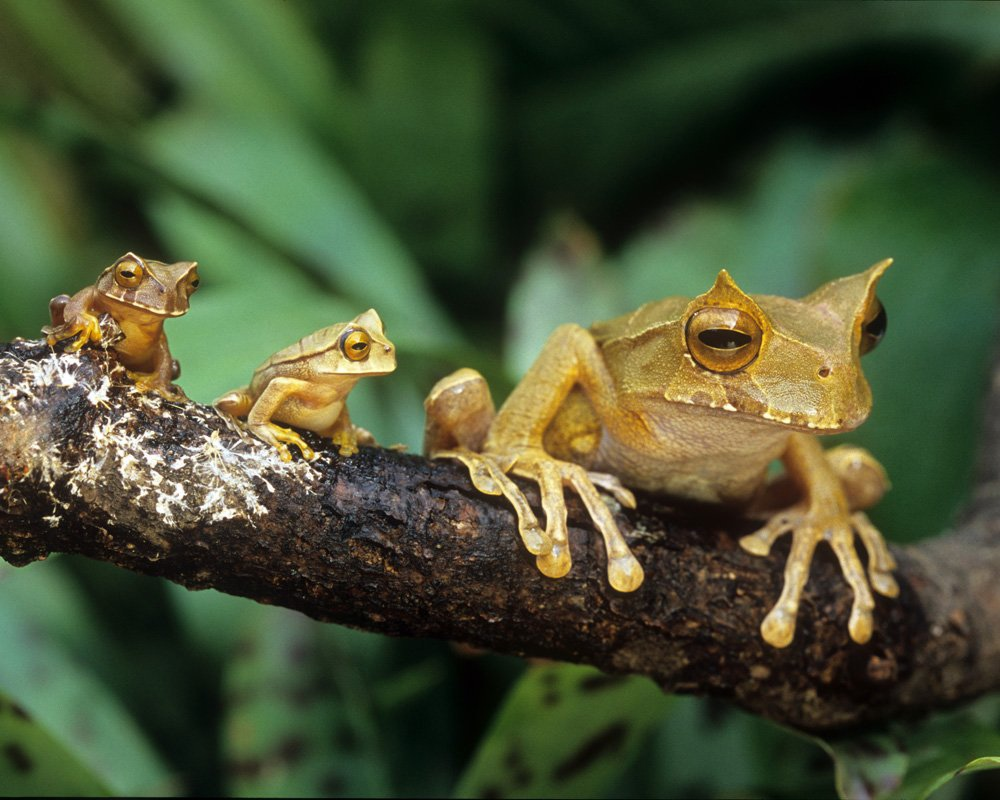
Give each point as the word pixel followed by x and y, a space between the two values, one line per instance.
pixel 478 172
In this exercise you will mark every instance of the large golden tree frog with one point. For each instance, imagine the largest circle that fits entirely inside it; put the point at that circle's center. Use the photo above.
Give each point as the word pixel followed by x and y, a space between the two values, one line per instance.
pixel 139 294
pixel 695 398
pixel 307 383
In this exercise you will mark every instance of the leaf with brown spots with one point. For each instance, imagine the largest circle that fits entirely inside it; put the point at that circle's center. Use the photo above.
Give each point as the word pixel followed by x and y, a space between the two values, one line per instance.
pixel 564 731
pixel 33 763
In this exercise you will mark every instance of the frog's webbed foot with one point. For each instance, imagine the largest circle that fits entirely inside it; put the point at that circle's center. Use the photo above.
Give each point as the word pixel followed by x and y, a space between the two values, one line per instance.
pixel 279 438
pixel 85 327
pixel 489 475
pixel 153 382
pixel 808 528
pixel 346 440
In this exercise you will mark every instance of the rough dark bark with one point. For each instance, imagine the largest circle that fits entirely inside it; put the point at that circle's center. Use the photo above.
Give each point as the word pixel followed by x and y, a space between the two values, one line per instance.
pixel 398 544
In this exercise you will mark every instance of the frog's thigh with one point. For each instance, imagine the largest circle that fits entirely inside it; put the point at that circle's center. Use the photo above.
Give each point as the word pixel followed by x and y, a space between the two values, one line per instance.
pixel 277 391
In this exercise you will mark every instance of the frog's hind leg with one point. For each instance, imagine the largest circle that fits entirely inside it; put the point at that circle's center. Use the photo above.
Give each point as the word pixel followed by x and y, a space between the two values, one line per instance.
pixel 345 435
pixel 267 405
pixel 236 403
pixel 459 412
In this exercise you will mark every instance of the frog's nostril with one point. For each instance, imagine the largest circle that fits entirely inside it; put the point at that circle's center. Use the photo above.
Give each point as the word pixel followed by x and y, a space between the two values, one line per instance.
pixel 825 372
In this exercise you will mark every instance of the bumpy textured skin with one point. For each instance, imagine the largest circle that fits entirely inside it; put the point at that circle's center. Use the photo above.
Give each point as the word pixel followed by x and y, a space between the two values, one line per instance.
pixel 163 291
pixel 306 385
pixel 625 403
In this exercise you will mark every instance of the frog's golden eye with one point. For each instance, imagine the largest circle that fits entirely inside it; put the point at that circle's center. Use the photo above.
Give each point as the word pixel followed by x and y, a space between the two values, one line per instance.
pixel 723 339
pixel 129 273
pixel 873 326
pixel 193 283
pixel 355 344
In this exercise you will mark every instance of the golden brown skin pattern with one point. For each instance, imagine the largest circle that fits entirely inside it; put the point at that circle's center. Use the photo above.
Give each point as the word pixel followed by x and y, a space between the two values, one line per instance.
pixel 306 385
pixel 139 294
pixel 695 398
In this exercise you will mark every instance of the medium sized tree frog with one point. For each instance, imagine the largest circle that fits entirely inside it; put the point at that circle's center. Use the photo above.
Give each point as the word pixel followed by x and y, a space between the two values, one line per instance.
pixel 306 385
pixel 139 294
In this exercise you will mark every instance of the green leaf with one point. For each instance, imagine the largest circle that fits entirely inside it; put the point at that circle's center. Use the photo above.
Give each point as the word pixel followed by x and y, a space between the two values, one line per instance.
pixel 909 762
pixel 273 179
pixel 563 281
pixel 238 54
pixel 425 144
pixel 33 763
pixel 76 709
pixel 299 722
pixel 38 201
pixel 588 131
pixel 563 731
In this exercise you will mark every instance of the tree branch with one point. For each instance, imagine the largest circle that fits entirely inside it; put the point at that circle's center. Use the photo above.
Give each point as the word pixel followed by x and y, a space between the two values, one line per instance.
pixel 398 544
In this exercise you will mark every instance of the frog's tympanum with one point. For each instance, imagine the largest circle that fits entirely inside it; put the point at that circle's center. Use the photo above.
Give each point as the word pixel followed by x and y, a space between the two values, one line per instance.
pixel 139 294
pixel 306 385
pixel 694 398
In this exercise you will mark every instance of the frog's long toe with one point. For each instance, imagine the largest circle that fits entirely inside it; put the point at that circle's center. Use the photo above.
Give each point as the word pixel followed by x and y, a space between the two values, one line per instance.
pixel 880 560
pixel 558 561
pixel 489 478
pixel 625 573
pixel 614 487
pixel 778 627
pixel 760 541
pixel 861 621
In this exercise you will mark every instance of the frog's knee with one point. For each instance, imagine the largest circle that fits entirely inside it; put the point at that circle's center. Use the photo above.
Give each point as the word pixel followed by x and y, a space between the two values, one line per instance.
pixel 864 479
pixel 236 403
pixel 459 412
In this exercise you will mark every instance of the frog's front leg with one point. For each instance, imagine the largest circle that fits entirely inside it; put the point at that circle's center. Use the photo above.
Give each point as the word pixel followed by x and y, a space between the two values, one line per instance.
pixel 71 317
pixel 160 378
pixel 345 435
pixel 514 444
pixel 824 514
pixel 277 391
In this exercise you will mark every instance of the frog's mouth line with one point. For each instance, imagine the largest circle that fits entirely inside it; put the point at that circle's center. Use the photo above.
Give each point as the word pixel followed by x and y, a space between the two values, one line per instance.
pixel 766 417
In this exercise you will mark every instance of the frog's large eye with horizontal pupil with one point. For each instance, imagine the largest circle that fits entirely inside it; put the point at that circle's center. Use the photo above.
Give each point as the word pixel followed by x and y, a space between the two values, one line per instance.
pixel 128 273
pixel 723 339
pixel 355 344
pixel 873 326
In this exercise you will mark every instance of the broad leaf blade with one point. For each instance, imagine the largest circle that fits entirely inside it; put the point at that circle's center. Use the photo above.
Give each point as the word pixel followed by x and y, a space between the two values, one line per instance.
pixel 33 763
pixel 297 726
pixel 564 731
pixel 909 762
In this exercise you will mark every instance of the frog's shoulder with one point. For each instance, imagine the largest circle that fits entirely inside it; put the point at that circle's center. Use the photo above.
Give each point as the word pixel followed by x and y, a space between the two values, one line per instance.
pixel 314 344
pixel 655 315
